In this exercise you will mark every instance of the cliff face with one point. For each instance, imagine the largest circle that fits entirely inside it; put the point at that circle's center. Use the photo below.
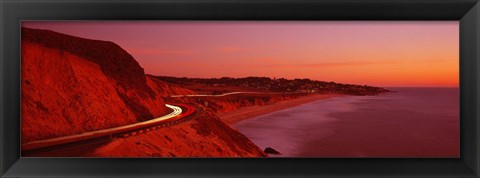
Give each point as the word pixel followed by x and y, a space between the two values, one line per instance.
pixel 72 85
pixel 232 102
pixel 205 136
pixel 165 89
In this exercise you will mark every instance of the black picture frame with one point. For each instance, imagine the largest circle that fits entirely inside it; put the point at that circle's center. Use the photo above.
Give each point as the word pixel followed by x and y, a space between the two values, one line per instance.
pixel 14 11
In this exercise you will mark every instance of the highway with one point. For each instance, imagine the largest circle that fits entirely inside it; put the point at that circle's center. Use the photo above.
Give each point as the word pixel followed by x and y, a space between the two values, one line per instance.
pixel 85 142
pixel 225 94
pixel 233 93
pixel 87 138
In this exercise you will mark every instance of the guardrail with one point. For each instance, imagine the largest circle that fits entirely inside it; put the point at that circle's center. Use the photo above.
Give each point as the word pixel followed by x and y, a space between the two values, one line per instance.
pixel 172 117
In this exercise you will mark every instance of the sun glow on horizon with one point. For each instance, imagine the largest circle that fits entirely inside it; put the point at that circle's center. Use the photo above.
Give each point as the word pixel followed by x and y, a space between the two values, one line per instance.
pixel 387 54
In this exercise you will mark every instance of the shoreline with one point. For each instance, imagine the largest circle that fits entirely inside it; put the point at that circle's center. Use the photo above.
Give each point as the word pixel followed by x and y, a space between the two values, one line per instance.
pixel 252 111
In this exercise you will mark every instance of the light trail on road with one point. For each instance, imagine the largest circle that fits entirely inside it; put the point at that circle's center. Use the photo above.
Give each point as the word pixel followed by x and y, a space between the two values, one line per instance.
pixel 87 135
pixel 225 94
pixel 232 93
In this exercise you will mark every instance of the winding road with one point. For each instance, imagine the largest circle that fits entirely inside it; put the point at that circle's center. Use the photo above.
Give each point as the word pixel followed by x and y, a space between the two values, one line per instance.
pixel 225 94
pixel 233 93
pixel 88 140
pixel 178 113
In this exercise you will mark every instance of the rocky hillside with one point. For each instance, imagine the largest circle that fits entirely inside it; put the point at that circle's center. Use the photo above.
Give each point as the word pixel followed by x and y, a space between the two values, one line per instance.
pixel 72 85
pixel 205 136
pixel 165 89
pixel 234 102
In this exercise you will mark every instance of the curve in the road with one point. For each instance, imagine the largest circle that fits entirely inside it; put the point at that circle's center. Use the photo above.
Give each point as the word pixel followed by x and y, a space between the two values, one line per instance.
pixel 231 93
pixel 104 132
pixel 225 94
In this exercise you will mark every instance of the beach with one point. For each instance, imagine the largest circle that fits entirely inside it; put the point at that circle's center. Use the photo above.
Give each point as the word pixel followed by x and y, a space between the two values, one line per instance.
pixel 408 123
pixel 253 111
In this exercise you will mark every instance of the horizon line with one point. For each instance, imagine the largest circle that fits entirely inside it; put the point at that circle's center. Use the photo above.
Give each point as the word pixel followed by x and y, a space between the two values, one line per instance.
pixel 426 86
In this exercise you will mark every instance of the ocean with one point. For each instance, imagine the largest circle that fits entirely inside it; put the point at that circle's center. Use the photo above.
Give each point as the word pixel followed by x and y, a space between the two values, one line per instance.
pixel 406 123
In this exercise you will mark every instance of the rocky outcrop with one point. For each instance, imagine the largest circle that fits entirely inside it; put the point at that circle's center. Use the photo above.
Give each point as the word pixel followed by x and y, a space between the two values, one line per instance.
pixel 165 89
pixel 270 150
pixel 72 85
pixel 206 136
pixel 234 102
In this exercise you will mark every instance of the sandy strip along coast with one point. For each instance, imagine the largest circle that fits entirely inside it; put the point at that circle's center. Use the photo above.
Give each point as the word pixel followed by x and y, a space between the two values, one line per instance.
pixel 252 111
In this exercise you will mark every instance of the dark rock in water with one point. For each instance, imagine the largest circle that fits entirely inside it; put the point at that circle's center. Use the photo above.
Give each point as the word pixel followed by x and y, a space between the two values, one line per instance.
pixel 271 151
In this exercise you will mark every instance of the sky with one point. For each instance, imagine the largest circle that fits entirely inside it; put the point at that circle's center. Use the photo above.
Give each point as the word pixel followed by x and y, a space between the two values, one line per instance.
pixel 378 53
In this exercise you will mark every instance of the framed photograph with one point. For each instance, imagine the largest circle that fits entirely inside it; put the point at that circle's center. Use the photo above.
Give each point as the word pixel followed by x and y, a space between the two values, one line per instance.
pixel 240 88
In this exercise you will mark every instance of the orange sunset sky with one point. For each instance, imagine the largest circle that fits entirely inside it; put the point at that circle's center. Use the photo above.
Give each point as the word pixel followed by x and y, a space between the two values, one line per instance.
pixel 409 54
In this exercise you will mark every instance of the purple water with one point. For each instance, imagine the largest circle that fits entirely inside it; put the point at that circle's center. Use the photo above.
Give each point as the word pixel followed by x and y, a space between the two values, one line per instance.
pixel 411 122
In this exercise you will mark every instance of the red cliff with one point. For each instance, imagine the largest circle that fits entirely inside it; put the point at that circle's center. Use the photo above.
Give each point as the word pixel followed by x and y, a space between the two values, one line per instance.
pixel 72 85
